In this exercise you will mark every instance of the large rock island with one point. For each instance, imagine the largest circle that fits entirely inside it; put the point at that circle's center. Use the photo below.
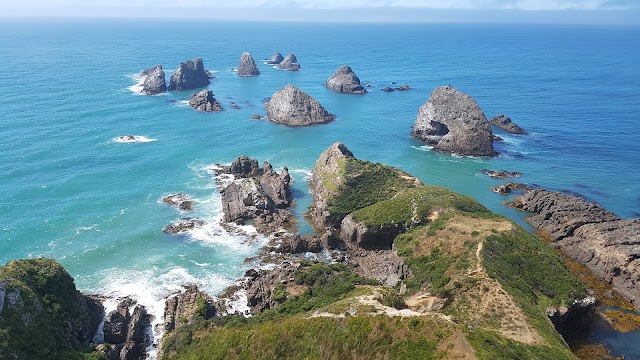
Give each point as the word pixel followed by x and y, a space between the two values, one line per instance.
pixel 344 80
pixel 290 63
pixel 154 81
pixel 452 122
pixel 204 101
pixel 247 66
pixel 292 106
pixel 189 75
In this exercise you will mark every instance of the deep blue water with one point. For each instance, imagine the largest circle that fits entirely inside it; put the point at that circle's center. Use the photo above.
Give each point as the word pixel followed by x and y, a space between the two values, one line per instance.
pixel 70 192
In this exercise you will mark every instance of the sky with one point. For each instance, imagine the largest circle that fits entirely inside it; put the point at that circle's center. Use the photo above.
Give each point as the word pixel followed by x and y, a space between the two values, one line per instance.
pixel 610 12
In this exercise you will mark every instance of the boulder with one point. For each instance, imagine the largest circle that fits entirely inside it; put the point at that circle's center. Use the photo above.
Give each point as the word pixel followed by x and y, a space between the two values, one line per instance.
pixel 404 87
pixel 388 89
pixel 501 174
pixel 293 107
pixel 204 101
pixel 290 63
pixel 257 117
pixel 154 81
pixel 183 226
pixel 275 59
pixel 181 200
pixel 247 66
pixel 452 122
pixel 344 80
pixel 507 125
pixel 189 75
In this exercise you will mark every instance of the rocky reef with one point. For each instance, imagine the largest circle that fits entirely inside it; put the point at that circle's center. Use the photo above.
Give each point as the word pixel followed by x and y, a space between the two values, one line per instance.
pixel 154 81
pixel 247 66
pixel 501 174
pixel 189 75
pixel 507 125
pixel 181 201
pixel 452 122
pixel 290 63
pixel 344 80
pixel 589 234
pixel 260 195
pixel 293 107
pixel 42 313
pixel 275 59
pixel 204 101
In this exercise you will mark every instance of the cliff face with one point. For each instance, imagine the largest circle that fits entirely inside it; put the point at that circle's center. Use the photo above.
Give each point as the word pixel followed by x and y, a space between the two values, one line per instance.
pixel 344 80
pixel 589 234
pixel 293 107
pixel 189 75
pixel 452 122
pixel 42 314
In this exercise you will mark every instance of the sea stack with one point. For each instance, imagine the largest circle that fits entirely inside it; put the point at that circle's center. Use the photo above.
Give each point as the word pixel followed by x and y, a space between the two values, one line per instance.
pixel 507 125
pixel 344 80
pixel 154 81
pixel 292 106
pixel 247 67
pixel 189 75
pixel 452 122
pixel 204 101
pixel 289 63
pixel 276 59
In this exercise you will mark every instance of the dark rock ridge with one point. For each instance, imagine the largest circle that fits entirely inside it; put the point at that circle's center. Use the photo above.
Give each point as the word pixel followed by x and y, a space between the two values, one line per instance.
pixel 275 59
pixel 258 194
pixel 292 106
pixel 501 174
pixel 404 87
pixel 182 226
pixel 452 122
pixel 589 234
pixel 187 306
pixel 204 101
pixel 344 80
pixel 290 63
pixel 154 81
pixel 38 295
pixel 126 332
pixel 181 201
pixel 247 67
pixel 388 89
pixel 509 187
pixel 189 75
pixel 507 125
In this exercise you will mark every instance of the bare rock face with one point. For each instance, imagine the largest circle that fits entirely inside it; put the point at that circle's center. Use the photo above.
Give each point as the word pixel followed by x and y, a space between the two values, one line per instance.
pixel 204 101
pixel 589 234
pixel 575 319
pixel 297 244
pixel 383 265
pixel 189 75
pixel 293 107
pixel 260 286
pixel 258 194
pixel 137 341
pixel 276 59
pixel 344 80
pixel 290 63
pixel 154 81
pixel 187 306
pixel 507 125
pixel 359 235
pixel 116 323
pixel 452 122
pixel 247 67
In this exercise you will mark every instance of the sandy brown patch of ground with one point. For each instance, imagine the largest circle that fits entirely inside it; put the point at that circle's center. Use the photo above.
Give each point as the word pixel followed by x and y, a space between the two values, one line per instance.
pixel 456 346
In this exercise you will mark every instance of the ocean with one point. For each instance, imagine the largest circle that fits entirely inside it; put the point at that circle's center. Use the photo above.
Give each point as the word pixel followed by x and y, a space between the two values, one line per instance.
pixel 71 192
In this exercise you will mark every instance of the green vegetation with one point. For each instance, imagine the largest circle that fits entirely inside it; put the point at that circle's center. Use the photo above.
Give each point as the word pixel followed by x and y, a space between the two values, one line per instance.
pixel 389 297
pixel 46 305
pixel 429 271
pixel 418 203
pixel 491 346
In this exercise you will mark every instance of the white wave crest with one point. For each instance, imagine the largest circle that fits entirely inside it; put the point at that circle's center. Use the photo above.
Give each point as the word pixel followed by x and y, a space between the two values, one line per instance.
pixel 139 81
pixel 305 174
pixel 132 139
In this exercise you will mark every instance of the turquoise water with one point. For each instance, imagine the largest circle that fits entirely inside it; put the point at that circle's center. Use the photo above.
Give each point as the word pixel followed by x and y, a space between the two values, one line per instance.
pixel 70 192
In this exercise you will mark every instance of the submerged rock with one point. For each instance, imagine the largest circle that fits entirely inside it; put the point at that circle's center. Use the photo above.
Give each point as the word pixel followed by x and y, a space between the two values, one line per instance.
pixel 204 101
pixel 292 106
pixel 154 81
pixel 247 67
pixel 290 63
pixel 275 59
pixel 388 89
pixel 507 125
pixel 452 122
pixel 501 174
pixel 509 187
pixel 181 200
pixel 404 87
pixel 189 75
pixel 182 226
pixel 344 80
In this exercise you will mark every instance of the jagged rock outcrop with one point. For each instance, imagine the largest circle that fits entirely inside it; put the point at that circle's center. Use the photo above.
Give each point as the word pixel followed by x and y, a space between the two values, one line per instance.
pixel 116 323
pixel 183 225
pixel 187 306
pixel 507 125
pixel 39 295
pixel 154 81
pixel 204 101
pixel 181 201
pixel 575 320
pixel 501 174
pixel 452 122
pixel 258 194
pixel 247 66
pixel 589 234
pixel 293 107
pixel 344 80
pixel 509 187
pixel 297 244
pixel 383 265
pixel 189 75
pixel 137 340
pixel 260 286
pixel 290 63
pixel 276 59
pixel 127 332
